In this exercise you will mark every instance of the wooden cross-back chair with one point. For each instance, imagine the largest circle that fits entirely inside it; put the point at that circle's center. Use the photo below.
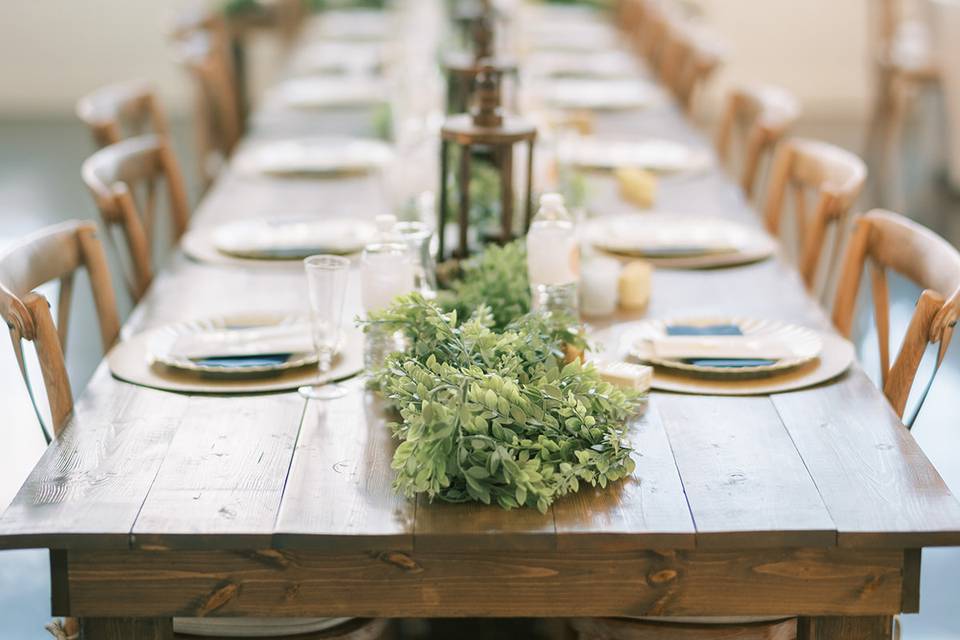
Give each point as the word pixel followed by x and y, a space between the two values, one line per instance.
pixel 54 253
pixel 117 111
pixel 889 241
pixel 904 63
pixel 761 115
pixel 689 56
pixel 650 34
pixel 834 176
pixel 115 176
pixel 203 48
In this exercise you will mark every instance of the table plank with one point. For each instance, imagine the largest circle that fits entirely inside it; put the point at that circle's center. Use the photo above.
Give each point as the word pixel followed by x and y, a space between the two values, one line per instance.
pixel 222 479
pixel 89 485
pixel 339 492
pixel 645 511
pixel 879 487
pixel 483 583
pixel 688 447
pixel 444 526
pixel 746 484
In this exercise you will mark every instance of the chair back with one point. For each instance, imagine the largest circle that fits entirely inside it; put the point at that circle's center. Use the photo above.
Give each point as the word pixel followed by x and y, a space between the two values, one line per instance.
pixel 117 111
pixel 888 241
pixel 759 116
pixel 203 49
pixel 689 56
pixel 54 253
pixel 120 174
pixel 834 176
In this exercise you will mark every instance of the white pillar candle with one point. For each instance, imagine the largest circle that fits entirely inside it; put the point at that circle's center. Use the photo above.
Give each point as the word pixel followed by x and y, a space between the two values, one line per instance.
pixel 599 277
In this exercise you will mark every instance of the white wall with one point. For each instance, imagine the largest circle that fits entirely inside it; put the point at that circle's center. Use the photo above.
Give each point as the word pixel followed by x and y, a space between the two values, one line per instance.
pixel 815 48
pixel 53 51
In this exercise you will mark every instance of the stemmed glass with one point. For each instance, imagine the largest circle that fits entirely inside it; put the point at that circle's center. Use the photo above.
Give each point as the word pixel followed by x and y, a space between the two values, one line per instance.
pixel 326 286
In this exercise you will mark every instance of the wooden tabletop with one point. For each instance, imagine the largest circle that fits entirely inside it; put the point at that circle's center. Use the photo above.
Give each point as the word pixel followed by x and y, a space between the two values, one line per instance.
pixel 142 469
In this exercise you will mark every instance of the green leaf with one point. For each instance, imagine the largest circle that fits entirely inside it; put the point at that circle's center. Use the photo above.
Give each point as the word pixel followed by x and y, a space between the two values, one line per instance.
pixel 478 473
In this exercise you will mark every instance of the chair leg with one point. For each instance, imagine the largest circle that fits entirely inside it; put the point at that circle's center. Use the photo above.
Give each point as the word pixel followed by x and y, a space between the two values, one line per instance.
pixel 891 174
pixel 847 628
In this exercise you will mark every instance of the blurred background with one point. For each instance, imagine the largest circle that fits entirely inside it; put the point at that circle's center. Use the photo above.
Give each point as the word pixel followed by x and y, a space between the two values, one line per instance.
pixel 824 51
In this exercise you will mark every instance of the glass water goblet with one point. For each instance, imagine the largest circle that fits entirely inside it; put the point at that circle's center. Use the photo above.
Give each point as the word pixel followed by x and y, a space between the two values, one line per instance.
pixel 326 287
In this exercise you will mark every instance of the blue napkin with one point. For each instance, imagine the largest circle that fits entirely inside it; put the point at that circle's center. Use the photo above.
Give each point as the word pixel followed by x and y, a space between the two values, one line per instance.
pixel 716 330
pixel 239 362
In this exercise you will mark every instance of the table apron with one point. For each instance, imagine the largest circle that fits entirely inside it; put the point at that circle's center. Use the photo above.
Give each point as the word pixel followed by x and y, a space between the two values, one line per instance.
pixel 813 582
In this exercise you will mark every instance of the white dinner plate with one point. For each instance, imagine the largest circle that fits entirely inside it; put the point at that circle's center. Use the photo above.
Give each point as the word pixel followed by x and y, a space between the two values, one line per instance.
pixel 327 155
pixel 679 241
pixel 318 92
pixel 600 94
pixel 613 64
pixel 185 345
pixel 338 57
pixel 803 344
pixel 661 156
pixel 293 237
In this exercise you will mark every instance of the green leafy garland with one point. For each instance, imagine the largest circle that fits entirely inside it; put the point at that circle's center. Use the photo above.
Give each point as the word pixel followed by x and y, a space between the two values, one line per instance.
pixel 495 416
pixel 496 278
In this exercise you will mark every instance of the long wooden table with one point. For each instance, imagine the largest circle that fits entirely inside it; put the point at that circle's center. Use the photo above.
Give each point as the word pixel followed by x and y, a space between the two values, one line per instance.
pixel 812 503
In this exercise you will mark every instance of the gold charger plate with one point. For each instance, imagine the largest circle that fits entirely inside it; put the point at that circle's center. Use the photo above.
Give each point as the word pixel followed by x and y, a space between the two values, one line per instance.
pixel 130 361
pixel 836 356
pixel 805 343
pixel 613 235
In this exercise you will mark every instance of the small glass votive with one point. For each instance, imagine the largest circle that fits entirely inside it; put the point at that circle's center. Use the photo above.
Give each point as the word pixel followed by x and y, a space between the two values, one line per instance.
pixel 599 284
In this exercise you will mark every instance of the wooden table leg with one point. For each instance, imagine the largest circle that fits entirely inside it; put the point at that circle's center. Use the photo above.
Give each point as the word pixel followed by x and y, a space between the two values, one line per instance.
pixel 126 629
pixel 846 628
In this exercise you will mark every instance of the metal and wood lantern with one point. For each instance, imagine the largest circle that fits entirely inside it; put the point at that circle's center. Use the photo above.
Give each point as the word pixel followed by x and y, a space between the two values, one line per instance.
pixel 496 134
pixel 462 68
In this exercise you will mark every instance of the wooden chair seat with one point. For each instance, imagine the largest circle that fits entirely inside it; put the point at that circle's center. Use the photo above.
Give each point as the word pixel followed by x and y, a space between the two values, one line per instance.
pixel 352 629
pixel 646 629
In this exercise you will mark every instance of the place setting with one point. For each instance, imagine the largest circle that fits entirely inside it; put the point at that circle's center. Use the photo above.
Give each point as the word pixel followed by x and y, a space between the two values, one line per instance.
pixel 600 94
pixel 331 92
pixel 606 65
pixel 278 241
pixel 728 355
pixel 664 157
pixel 340 58
pixel 350 25
pixel 325 156
pixel 679 241
pixel 254 352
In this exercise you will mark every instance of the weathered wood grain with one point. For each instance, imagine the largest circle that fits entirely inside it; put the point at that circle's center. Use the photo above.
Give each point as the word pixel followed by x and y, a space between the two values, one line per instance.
pixel 339 494
pixel 126 629
pixel 877 484
pixel 399 584
pixel 745 482
pixel 89 485
pixel 846 628
pixel 222 479
pixel 646 511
